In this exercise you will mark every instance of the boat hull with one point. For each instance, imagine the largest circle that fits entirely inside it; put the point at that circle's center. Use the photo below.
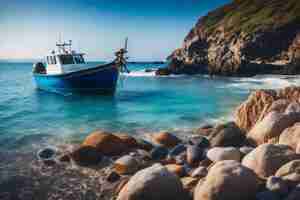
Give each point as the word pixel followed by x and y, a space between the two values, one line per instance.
pixel 101 79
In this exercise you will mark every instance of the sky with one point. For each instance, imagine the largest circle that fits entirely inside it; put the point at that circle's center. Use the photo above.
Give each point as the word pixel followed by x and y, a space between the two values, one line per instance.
pixel 30 28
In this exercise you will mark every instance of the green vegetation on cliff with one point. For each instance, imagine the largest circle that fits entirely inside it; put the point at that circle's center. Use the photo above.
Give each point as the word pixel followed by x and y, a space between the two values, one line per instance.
pixel 249 16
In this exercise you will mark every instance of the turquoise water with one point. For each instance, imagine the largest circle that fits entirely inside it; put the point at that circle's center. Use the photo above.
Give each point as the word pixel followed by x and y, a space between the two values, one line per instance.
pixel 143 103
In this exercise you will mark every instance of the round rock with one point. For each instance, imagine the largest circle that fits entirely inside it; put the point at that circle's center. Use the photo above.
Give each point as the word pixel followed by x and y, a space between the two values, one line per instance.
pixel 153 183
pixel 223 153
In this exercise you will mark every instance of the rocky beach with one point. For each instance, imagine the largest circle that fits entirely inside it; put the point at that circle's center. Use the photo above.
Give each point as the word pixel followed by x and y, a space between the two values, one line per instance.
pixel 259 149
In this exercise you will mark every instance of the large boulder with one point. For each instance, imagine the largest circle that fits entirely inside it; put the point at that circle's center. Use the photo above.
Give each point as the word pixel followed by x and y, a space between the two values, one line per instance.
pixel 153 183
pixel 290 172
pixel 266 159
pixel 260 102
pixel 227 180
pixel 291 136
pixel 165 139
pixel 223 153
pixel 249 112
pixel 227 135
pixel 105 143
pixel 271 127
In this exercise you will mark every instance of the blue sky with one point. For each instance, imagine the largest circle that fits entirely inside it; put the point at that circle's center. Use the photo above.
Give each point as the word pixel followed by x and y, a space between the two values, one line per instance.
pixel 30 28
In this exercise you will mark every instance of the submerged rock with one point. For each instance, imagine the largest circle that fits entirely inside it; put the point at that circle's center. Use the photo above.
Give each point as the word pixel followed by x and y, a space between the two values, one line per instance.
pixel 153 183
pixel 223 182
pixel 266 159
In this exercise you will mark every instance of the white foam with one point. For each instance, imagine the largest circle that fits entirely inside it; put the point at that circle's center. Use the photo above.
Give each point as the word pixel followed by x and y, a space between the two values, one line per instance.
pixel 264 82
pixel 139 73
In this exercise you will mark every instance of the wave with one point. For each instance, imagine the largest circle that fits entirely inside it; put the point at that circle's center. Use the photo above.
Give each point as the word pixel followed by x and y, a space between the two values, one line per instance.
pixel 140 73
pixel 264 82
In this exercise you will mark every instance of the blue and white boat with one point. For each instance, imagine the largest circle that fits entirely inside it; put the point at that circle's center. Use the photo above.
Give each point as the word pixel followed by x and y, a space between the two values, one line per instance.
pixel 65 71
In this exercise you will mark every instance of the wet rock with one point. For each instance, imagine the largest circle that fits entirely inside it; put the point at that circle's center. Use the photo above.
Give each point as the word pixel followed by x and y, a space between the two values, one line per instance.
pixel 126 165
pixel 86 155
pixel 227 135
pixel 266 159
pixel 165 139
pixel 105 143
pixel 128 140
pixel 163 72
pixel 223 153
pixel 159 153
pixel 143 144
pixel 277 185
pixel 199 172
pixel 290 172
pixel 176 169
pixel 291 136
pixel 47 156
pixel 267 195
pixel 194 155
pixel 177 150
pixel 112 177
pixel 153 183
pixel 199 141
pixel 224 180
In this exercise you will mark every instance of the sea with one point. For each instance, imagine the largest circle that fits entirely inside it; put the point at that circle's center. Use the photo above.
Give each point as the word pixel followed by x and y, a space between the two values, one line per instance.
pixel 143 103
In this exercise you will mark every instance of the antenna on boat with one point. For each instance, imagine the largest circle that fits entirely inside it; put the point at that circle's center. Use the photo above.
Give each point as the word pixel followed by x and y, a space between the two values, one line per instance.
pixel 121 59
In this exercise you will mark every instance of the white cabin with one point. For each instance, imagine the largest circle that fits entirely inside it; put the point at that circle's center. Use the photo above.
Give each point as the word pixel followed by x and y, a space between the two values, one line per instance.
pixel 65 60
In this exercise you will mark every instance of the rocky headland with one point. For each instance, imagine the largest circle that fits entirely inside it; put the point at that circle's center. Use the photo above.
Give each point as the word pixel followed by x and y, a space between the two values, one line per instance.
pixel 242 38
pixel 255 157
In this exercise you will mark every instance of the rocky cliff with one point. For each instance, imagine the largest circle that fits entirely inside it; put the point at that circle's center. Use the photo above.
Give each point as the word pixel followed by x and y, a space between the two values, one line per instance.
pixel 245 37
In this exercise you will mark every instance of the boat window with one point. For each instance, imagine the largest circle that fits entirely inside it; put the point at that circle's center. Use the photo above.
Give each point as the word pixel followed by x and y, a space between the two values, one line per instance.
pixel 54 60
pixel 66 59
pixel 79 59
